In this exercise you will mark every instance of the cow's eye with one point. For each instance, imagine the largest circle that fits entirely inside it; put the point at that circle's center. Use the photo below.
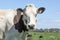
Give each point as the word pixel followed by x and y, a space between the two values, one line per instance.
pixel 28 19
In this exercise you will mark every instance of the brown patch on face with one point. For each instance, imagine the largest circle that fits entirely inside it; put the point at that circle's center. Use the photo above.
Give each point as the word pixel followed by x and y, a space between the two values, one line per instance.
pixel 17 17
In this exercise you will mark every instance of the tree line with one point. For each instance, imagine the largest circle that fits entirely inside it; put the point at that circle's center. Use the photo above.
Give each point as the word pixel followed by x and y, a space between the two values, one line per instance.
pixel 47 30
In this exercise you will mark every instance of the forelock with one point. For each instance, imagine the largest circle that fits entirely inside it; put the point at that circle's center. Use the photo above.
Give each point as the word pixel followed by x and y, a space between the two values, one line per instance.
pixel 30 5
pixel 30 8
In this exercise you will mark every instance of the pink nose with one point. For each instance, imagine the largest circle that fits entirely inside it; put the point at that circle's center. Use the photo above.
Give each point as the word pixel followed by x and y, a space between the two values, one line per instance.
pixel 31 26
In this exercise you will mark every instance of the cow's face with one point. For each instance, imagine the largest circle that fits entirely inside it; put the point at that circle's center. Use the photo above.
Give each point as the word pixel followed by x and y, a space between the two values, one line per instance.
pixel 30 13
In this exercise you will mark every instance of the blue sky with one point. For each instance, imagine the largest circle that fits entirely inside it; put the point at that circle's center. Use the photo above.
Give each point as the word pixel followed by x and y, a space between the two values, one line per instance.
pixel 49 19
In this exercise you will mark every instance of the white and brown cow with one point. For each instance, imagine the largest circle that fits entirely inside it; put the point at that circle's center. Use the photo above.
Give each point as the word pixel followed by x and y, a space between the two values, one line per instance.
pixel 14 21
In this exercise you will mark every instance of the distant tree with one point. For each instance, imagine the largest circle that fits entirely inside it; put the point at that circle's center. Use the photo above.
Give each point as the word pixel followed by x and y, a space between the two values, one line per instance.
pixel 41 30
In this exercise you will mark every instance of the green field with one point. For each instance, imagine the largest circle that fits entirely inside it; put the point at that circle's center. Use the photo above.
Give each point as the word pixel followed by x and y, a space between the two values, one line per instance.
pixel 45 36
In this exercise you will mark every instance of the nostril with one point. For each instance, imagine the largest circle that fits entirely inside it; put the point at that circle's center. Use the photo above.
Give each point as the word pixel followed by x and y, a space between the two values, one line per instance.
pixel 29 26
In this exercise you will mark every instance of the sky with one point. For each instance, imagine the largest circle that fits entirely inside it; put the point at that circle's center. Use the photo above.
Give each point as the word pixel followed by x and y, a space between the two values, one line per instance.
pixel 49 19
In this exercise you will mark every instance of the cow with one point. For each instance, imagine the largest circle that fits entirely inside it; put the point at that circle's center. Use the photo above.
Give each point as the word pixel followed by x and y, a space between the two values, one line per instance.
pixel 14 23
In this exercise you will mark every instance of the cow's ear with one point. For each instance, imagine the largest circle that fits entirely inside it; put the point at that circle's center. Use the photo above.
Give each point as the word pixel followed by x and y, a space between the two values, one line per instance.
pixel 19 10
pixel 41 10
pixel 17 17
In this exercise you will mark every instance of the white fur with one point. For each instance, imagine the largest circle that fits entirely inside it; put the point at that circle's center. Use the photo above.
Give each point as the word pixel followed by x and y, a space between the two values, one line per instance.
pixel 30 10
pixel 6 24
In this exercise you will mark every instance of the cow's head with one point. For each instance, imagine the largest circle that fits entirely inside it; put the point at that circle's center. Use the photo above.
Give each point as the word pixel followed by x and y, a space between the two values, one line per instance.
pixel 29 15
pixel 30 12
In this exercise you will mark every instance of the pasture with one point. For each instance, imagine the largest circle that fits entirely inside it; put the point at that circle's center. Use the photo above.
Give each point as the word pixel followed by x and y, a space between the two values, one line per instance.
pixel 44 36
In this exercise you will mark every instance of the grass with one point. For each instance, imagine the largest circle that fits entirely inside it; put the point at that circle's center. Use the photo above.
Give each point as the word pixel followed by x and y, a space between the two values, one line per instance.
pixel 45 36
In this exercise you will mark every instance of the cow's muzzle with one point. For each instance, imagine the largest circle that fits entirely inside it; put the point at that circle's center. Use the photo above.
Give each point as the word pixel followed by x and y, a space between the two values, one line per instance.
pixel 31 26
